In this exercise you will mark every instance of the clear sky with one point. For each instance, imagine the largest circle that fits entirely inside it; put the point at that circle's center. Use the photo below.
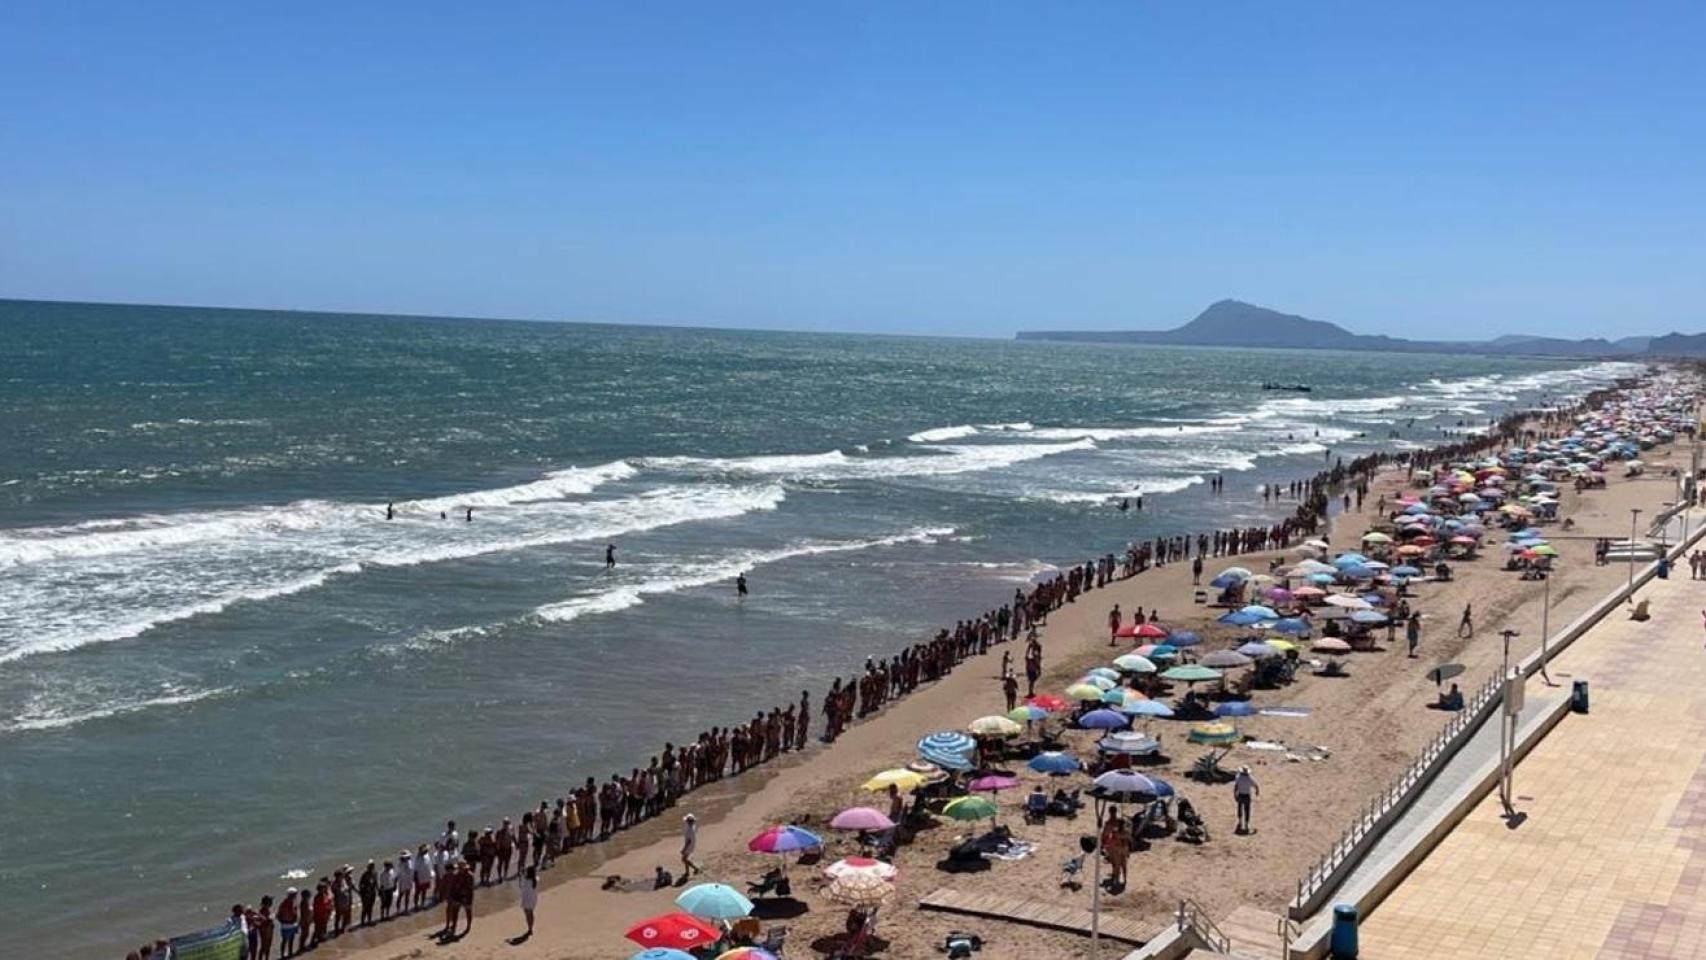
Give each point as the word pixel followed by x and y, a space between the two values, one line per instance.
pixel 1416 169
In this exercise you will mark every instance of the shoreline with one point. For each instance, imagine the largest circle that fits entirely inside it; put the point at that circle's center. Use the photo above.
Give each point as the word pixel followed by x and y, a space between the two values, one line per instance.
pixel 727 806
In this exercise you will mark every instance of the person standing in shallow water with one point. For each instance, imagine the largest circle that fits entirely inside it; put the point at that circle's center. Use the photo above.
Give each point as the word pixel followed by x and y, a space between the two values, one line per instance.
pixel 740 585
pixel 610 556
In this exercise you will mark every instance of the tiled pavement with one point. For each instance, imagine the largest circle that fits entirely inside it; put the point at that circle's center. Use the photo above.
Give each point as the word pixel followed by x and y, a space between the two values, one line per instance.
pixel 1610 861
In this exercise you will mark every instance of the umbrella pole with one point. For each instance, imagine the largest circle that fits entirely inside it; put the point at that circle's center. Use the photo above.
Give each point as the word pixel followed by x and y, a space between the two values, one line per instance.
pixel 1096 889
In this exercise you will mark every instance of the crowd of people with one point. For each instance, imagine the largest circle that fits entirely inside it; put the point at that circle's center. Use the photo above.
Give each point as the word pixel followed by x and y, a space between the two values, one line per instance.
pixel 446 872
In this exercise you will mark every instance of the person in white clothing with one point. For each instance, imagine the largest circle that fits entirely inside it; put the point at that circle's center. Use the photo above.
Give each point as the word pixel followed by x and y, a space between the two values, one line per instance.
pixel 528 882
pixel 1244 790
pixel 689 842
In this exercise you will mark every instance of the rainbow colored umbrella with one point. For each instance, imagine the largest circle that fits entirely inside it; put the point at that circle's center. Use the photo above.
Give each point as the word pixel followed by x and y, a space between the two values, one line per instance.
pixel 784 839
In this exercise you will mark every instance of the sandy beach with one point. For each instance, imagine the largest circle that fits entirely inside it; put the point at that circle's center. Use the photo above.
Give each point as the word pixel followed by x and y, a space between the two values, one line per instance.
pixel 1370 724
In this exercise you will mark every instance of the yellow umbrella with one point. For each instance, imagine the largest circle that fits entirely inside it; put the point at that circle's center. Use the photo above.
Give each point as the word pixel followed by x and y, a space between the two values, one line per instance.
pixel 902 779
pixel 995 727
pixel 1281 644
pixel 1084 691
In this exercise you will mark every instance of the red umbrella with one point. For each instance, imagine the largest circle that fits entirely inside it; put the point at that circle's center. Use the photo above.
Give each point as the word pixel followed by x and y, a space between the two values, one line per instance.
pixel 678 930
pixel 1128 631
pixel 1150 631
pixel 1049 702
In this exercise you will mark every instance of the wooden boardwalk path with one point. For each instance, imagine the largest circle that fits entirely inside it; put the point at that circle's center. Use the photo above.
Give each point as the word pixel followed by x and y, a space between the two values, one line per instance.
pixel 1039 913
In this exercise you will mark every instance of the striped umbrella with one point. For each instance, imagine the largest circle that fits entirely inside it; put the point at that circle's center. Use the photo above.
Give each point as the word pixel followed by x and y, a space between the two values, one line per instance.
pixel 950 742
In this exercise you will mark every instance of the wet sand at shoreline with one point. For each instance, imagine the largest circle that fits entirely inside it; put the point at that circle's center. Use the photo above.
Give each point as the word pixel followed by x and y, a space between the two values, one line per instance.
pixel 1372 722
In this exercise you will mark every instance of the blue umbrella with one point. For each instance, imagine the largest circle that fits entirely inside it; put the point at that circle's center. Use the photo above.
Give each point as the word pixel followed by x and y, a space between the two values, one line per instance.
pixel 951 742
pixel 1162 787
pixel 1291 626
pixel 947 761
pixel 714 901
pixel 1416 508
pixel 1344 560
pixel 1183 638
pixel 1108 672
pixel 1129 742
pixel 1368 616
pixel 1257 650
pixel 1053 761
pixel 1102 720
pixel 1321 579
pixel 1375 599
pixel 1357 571
pixel 1235 708
pixel 1163 650
pixel 1146 708
pixel 1223 581
pixel 1261 612
pixel 1239 618
pixel 663 953
pixel 1405 570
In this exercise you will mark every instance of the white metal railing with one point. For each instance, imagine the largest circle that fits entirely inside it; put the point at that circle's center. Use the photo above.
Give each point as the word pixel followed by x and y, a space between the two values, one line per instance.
pixel 1194 919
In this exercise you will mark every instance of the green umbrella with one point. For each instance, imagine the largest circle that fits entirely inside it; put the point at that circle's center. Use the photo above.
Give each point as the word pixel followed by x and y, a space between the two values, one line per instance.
pixel 969 808
pixel 1191 673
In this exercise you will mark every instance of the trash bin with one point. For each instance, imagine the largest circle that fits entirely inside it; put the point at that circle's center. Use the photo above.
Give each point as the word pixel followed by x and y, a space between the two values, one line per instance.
pixel 1579 696
pixel 1343 945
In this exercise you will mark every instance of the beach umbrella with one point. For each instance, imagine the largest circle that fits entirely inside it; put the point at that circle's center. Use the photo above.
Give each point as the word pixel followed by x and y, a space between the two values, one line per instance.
pixel 1132 663
pixel 959 763
pixel 1308 593
pixel 1291 626
pixel 861 818
pixel 1260 612
pixel 1157 651
pixel 1129 743
pixel 1225 660
pixel 715 901
pixel 994 783
pixel 995 727
pixel 1257 650
pixel 1321 579
pixel 1217 734
pixel 1330 645
pixel 1191 673
pixel 1348 602
pixel 1236 573
pixel 1444 672
pixel 1084 692
pixel 1223 581
pixel 784 839
pixel 1546 550
pixel 1411 550
pixel 1101 683
pixel 861 866
pixel 1308 567
pixel 1348 559
pixel 1150 631
pixel 862 891
pixel 1183 638
pixel 1235 708
pixel 950 742
pixel 1318 544
pixel 1054 762
pixel 1117 696
pixel 1238 618
pixel 1376 565
pixel 1106 673
pixel 1368 616
pixel 901 779
pixel 663 953
pixel 1405 570
pixel 1027 713
pixel 1277 594
pixel 969 808
pixel 1102 720
pixel 1375 536
pixel 1281 644
pixel 1146 708
pixel 1123 786
pixel 1049 702
pixel 1126 631
pixel 682 931
pixel 1360 571
pixel 747 953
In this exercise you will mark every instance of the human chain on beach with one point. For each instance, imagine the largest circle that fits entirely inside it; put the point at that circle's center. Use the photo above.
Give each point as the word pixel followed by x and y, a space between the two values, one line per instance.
pixel 446 871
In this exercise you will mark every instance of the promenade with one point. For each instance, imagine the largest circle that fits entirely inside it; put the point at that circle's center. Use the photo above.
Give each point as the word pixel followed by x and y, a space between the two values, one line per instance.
pixel 1606 858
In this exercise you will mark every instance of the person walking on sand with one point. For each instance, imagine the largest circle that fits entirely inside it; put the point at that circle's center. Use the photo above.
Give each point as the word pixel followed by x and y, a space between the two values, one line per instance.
pixel 689 843
pixel 1466 626
pixel 1114 619
pixel 1413 632
pixel 1010 688
pixel 1244 792
pixel 1196 570
pixel 528 883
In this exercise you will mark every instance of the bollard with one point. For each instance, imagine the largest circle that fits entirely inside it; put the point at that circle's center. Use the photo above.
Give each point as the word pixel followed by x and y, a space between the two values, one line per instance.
pixel 1343 945
pixel 1579 696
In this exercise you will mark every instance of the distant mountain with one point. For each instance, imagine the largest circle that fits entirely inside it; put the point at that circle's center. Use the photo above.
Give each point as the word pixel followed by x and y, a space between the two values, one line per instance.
pixel 1678 345
pixel 1234 323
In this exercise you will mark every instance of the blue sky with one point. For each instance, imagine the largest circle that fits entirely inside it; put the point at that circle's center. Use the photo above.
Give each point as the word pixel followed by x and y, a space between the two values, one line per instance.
pixel 972 169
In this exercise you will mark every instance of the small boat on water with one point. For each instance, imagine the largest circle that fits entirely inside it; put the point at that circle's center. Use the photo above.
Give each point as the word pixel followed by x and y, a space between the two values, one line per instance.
pixel 1290 387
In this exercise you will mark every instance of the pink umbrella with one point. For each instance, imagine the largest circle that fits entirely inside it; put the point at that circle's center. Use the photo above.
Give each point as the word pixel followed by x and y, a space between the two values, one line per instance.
pixel 1279 594
pixel 861 818
pixel 994 783
pixel 859 866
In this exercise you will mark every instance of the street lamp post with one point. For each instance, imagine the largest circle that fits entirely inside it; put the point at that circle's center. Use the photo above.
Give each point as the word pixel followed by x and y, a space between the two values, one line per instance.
pixel 1506 733
pixel 1634 513
pixel 1545 621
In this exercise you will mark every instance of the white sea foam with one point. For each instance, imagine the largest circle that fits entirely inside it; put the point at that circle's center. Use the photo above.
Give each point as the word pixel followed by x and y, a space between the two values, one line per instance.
pixel 940 434
pixel 1112 434
pixel 704 574
pixel 75 600
pixel 54 718
pixel 942 459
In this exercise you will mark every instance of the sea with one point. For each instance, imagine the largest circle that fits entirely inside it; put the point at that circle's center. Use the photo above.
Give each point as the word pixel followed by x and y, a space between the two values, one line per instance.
pixel 223 669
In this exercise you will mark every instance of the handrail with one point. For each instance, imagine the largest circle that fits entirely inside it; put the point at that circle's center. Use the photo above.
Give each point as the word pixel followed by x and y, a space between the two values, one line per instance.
pixel 1194 919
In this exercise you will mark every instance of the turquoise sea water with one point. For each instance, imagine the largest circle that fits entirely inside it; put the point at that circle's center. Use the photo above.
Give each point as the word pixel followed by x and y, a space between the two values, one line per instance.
pixel 219 663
